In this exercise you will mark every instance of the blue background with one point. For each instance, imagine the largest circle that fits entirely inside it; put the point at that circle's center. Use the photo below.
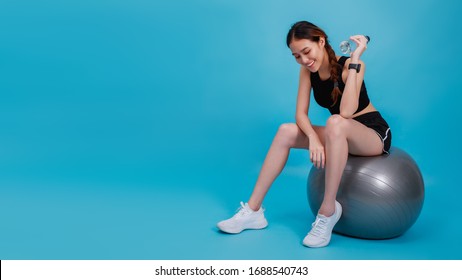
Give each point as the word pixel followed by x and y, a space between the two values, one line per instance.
pixel 129 128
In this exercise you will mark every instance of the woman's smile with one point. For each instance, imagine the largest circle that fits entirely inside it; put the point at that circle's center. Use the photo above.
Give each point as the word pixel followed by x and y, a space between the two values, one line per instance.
pixel 308 65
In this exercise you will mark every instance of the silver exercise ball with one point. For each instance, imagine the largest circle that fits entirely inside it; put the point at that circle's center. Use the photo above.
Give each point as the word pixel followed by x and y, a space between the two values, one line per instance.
pixel 381 196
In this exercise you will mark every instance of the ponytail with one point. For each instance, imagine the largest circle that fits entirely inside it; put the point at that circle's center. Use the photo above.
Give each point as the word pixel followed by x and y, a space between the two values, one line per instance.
pixel 334 74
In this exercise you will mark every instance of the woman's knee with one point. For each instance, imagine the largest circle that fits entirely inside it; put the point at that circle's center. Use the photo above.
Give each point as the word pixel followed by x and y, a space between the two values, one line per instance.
pixel 287 134
pixel 336 126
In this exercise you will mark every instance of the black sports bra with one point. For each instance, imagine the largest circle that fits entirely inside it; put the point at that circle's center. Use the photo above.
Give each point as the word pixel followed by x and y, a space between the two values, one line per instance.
pixel 322 91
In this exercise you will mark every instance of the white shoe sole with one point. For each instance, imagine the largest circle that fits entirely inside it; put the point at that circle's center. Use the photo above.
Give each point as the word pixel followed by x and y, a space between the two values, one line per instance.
pixel 261 224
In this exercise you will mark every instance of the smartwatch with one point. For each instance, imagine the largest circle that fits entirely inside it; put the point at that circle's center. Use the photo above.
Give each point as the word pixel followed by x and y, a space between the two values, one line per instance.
pixel 355 66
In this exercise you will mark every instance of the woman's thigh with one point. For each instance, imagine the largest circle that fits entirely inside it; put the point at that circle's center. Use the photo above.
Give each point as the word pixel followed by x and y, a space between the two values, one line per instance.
pixel 302 141
pixel 362 140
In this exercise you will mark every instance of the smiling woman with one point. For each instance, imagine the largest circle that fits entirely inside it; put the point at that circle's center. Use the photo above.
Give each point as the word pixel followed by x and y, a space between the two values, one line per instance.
pixel 309 43
pixel 355 127
pixel 126 123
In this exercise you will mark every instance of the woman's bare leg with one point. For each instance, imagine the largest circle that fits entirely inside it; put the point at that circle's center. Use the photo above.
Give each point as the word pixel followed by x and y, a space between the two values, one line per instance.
pixel 288 136
pixel 343 136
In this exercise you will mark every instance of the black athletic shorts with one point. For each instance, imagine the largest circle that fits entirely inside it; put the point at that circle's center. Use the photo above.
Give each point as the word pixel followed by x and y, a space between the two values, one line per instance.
pixel 375 121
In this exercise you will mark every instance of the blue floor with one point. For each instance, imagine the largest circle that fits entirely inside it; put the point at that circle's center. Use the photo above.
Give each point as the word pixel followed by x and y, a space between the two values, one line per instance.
pixel 128 129
pixel 145 219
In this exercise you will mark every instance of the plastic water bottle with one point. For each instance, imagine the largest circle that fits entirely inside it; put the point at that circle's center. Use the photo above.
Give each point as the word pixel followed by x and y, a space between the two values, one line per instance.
pixel 345 46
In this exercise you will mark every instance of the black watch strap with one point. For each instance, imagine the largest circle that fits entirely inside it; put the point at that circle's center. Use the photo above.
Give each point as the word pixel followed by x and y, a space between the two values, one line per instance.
pixel 355 66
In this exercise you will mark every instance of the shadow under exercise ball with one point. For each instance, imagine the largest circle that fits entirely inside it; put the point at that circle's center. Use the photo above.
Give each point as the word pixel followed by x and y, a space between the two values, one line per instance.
pixel 381 196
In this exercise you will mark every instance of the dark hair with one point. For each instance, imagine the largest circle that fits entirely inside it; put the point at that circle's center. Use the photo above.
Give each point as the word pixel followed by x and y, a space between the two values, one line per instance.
pixel 307 30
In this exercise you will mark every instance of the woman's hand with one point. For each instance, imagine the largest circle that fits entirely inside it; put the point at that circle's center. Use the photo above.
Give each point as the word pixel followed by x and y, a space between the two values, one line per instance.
pixel 317 154
pixel 361 46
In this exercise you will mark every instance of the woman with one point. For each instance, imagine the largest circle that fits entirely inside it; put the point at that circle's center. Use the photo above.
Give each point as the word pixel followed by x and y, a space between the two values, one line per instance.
pixel 355 127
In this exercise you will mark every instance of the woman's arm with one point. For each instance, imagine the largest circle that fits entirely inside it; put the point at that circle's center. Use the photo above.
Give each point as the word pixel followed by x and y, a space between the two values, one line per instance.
pixel 303 103
pixel 354 80
pixel 316 148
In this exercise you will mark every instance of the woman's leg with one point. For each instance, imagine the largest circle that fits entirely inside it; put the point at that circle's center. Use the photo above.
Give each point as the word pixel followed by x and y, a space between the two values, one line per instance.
pixel 288 136
pixel 343 136
pixel 250 215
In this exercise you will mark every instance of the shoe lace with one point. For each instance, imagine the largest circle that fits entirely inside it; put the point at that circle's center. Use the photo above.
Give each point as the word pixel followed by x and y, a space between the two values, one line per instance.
pixel 242 210
pixel 319 227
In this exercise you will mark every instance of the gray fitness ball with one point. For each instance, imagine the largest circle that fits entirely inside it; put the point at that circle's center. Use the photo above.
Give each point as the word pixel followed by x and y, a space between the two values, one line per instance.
pixel 381 196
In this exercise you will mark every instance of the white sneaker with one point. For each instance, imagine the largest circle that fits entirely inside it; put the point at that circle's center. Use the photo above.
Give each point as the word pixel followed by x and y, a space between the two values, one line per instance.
pixel 321 231
pixel 244 219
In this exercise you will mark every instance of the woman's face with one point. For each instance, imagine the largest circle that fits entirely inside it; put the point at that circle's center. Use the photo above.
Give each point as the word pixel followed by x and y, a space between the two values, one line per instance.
pixel 308 53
